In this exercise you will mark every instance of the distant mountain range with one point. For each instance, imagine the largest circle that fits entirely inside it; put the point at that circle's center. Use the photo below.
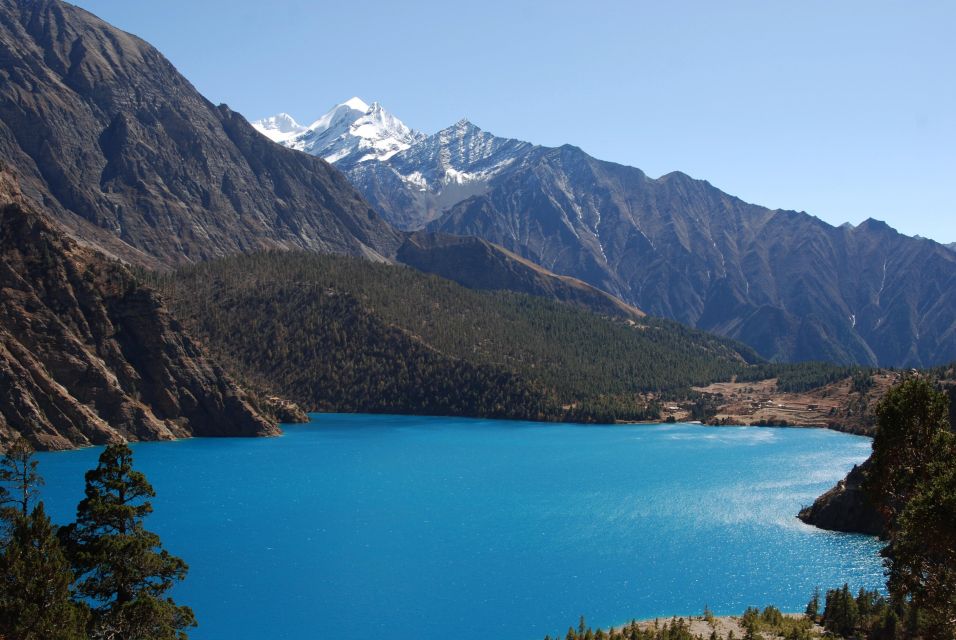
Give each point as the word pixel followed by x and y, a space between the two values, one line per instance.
pixel 351 132
pixel 785 282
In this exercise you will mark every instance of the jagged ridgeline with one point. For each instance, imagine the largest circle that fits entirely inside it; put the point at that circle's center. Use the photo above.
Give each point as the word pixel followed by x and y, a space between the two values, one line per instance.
pixel 339 333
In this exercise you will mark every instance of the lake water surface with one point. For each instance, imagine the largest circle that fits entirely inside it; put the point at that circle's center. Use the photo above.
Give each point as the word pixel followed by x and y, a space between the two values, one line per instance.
pixel 358 526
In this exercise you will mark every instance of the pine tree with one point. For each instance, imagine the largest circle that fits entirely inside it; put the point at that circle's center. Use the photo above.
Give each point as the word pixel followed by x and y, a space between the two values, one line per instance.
pixel 914 480
pixel 840 615
pixel 6 510
pixel 913 420
pixel 813 607
pixel 889 626
pixel 35 577
pixel 18 472
pixel 921 556
pixel 123 569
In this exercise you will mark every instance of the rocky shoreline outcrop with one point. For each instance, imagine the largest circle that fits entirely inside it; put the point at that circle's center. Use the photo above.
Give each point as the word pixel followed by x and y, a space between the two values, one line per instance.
pixel 846 507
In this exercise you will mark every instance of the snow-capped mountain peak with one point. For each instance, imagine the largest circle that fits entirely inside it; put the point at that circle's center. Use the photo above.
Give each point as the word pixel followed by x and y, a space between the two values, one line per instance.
pixel 385 133
pixel 341 115
pixel 350 132
pixel 370 144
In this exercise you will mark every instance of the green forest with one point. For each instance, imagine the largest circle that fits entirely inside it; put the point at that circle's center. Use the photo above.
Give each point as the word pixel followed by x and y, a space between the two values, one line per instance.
pixel 796 377
pixel 339 333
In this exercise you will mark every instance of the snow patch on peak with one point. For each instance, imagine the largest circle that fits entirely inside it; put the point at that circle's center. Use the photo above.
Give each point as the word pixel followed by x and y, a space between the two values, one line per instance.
pixel 453 176
pixel 279 128
pixel 344 112
pixel 284 122
pixel 356 103
pixel 457 161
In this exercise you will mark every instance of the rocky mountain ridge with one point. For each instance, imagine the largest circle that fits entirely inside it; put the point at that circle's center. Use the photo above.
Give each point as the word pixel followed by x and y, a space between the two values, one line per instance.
pixel 89 356
pixel 125 154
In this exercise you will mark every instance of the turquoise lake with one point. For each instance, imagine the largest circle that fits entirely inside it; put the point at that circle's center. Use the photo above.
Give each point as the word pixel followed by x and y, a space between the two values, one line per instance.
pixel 359 526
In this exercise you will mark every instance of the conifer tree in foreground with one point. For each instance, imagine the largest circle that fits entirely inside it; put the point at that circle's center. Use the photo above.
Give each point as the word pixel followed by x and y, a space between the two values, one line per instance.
pixel 123 570
pixel 35 576
pixel 914 479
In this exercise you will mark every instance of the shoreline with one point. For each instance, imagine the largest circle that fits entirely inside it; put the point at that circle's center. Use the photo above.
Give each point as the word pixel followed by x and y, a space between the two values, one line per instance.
pixel 699 625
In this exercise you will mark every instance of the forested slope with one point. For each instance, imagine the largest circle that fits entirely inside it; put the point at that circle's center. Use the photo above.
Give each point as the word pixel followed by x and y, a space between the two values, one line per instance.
pixel 339 333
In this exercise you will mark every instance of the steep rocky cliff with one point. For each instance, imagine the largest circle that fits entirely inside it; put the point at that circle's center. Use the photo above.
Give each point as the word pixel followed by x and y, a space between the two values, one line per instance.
pixel 123 152
pixel 89 356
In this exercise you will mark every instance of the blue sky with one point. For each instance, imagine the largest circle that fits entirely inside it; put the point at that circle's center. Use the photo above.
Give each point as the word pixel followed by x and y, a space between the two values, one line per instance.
pixel 846 110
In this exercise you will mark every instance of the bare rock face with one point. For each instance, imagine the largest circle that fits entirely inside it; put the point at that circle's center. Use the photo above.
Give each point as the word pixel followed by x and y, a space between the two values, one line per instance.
pixel 846 507
pixel 284 410
pixel 88 356
pixel 122 151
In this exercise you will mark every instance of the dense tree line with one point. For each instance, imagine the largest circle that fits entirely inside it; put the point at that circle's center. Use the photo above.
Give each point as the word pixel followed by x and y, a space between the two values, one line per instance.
pixel 322 349
pixel 102 577
pixel 868 614
pixel 797 377
pixel 341 333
